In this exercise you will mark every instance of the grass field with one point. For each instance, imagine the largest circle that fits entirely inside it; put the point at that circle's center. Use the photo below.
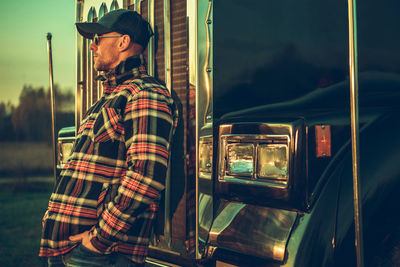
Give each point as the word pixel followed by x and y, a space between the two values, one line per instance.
pixel 20 228
pixel 25 158
pixel 25 186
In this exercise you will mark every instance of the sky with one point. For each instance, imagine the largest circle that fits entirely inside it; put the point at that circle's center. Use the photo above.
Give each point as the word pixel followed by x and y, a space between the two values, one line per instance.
pixel 23 47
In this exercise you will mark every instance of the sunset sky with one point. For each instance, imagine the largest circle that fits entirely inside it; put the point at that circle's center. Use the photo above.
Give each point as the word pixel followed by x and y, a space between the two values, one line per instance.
pixel 23 46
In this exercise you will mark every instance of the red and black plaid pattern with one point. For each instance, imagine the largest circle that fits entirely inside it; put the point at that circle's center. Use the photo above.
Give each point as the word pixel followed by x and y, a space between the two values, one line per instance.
pixel 112 181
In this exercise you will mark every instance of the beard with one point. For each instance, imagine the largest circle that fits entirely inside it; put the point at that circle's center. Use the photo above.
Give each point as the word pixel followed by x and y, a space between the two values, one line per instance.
pixel 104 61
pixel 101 65
pixel 105 56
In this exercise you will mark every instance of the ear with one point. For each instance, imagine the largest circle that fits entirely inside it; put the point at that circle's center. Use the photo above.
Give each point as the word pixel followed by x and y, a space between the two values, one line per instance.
pixel 124 43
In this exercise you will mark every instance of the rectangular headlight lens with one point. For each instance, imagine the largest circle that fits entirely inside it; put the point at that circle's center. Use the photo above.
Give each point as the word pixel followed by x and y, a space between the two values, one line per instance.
pixel 273 161
pixel 240 160
pixel 65 151
pixel 205 155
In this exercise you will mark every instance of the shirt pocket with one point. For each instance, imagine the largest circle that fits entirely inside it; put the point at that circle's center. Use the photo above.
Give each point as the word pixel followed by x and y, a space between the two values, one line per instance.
pixel 108 126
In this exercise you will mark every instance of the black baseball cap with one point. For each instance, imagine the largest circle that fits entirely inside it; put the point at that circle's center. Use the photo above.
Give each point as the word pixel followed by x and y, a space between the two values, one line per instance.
pixel 122 21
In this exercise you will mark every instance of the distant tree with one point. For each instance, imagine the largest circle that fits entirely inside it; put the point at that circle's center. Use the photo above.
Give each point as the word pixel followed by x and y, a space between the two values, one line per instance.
pixel 6 128
pixel 65 100
pixel 31 120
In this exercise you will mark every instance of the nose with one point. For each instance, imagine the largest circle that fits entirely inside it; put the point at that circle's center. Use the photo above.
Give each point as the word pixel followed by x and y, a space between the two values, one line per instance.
pixel 93 46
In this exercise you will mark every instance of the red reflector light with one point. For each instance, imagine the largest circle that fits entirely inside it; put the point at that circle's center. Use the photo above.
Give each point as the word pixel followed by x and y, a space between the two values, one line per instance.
pixel 323 141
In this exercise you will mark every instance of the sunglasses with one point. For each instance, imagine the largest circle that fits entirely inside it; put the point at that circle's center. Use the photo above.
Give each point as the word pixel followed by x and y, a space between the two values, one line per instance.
pixel 96 38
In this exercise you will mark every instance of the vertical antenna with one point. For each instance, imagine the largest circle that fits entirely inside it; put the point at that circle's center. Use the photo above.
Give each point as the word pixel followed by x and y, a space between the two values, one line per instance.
pixel 52 102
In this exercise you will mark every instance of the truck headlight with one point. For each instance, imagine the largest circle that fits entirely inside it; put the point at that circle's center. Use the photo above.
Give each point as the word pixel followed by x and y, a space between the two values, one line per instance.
pixel 205 157
pixel 252 158
pixel 273 161
pixel 65 146
pixel 240 159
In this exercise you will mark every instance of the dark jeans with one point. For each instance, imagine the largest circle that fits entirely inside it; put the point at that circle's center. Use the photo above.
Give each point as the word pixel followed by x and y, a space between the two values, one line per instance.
pixel 83 257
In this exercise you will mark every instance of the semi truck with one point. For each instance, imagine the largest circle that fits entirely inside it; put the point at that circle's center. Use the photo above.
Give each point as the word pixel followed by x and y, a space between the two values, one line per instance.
pixel 284 106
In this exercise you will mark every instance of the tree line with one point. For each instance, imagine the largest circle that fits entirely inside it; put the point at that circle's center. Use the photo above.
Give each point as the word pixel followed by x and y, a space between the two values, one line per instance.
pixel 30 120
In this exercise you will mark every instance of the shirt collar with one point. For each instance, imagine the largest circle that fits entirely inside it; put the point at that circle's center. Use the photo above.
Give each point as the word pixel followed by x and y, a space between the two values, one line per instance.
pixel 131 67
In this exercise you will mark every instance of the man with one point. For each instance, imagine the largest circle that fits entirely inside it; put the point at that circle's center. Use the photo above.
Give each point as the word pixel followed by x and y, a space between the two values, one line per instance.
pixel 104 203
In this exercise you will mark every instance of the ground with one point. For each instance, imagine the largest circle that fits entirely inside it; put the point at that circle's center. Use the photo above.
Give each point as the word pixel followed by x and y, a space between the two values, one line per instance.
pixel 25 186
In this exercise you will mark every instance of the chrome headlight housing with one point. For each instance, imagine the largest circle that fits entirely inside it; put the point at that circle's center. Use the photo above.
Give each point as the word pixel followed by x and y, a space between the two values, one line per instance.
pixel 65 146
pixel 263 163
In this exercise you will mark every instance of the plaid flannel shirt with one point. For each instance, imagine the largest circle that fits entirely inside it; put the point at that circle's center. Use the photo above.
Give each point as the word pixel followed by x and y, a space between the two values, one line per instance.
pixel 112 181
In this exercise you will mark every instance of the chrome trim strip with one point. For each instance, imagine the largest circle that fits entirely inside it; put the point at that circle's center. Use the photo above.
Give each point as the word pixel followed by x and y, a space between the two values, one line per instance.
pixel 157 262
pixel 137 6
pixel 196 10
pixel 66 138
pixel 99 87
pixel 92 15
pixel 150 46
pixel 167 44
pixel 89 88
pixel 197 249
pixel 207 68
pixel 266 183
pixel 79 74
pixel 125 4
pixel 103 10
pixel 353 68
pixel 114 5
pixel 84 82
pixel 167 54
pixel 203 105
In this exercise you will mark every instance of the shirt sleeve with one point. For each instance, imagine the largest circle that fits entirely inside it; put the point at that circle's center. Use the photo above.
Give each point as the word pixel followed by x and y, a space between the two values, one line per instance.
pixel 148 127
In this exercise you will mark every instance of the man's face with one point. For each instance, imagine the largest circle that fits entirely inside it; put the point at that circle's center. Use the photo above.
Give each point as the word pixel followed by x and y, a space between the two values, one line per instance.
pixel 105 53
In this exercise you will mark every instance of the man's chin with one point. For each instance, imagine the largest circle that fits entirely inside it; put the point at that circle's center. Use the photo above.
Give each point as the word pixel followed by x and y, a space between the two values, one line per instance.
pixel 100 68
